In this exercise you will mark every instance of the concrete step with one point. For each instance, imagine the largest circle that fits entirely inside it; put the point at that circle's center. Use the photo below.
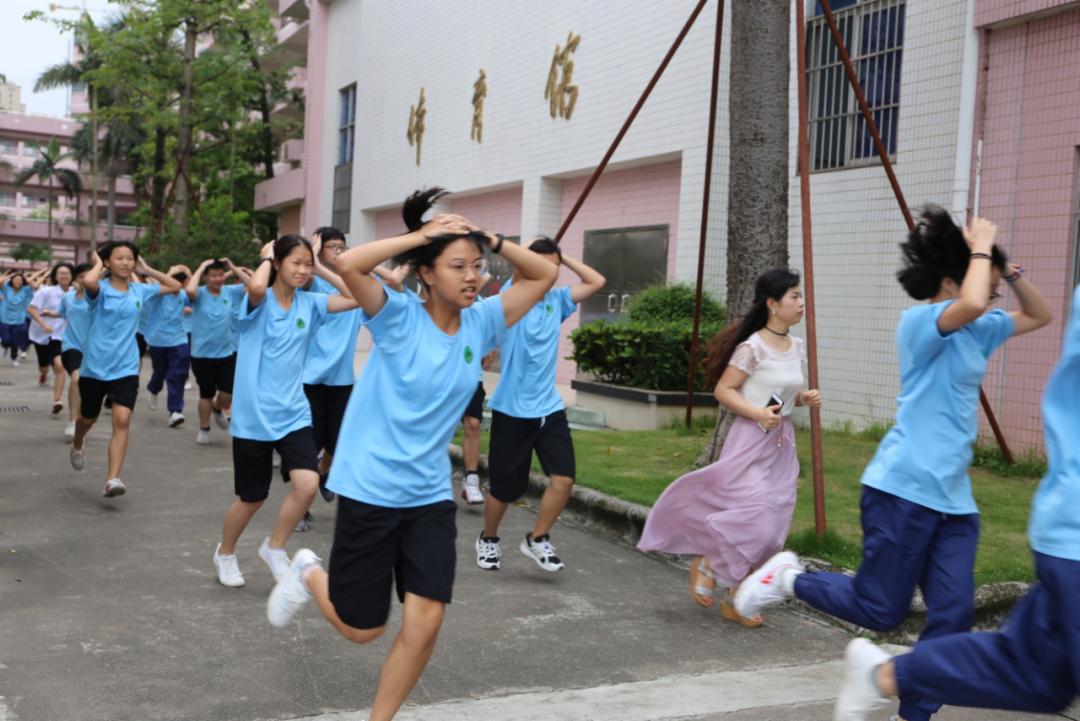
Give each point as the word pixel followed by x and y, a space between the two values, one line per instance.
pixel 580 419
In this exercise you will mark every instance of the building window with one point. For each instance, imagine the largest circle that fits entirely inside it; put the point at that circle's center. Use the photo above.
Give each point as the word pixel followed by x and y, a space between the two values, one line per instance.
pixel 29 151
pixel 7 199
pixel 347 130
pixel 342 206
pixel 873 32
pixel 8 147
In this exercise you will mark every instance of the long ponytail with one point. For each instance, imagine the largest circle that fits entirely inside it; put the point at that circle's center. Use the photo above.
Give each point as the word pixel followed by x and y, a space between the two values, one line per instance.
pixel 772 284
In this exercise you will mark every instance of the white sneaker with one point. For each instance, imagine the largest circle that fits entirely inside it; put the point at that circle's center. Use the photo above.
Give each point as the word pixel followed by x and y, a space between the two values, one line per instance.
pixel 221 421
pixel 14 362
pixel 69 429
pixel 768 585
pixel 228 570
pixel 203 437
pixel 488 553
pixel 470 490
pixel 276 558
pixel 114 487
pixel 540 550
pixel 290 593
pixel 22 354
pixel 859 695
pixel 176 419
pixel 151 401
pixel 187 386
pixel 77 458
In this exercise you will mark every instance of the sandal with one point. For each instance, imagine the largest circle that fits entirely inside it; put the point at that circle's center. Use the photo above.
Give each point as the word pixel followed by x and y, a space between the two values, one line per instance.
pixel 701 590
pixel 727 611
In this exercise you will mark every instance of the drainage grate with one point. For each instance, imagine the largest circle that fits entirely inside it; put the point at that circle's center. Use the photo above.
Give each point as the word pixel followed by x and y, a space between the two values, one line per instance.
pixel 11 410
pixel 6 383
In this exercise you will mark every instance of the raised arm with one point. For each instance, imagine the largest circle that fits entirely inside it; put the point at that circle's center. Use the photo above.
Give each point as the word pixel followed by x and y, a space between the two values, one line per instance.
pixel 591 280
pixel 357 265
pixel 537 277
pixel 393 277
pixel 34 280
pixel 242 274
pixel 1034 311
pixel 92 278
pixel 192 285
pixel 325 273
pixel 166 283
pixel 260 279
pixel 975 290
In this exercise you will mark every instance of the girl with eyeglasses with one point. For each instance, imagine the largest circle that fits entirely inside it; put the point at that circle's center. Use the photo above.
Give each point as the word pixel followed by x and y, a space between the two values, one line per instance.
pixel 395 520
pixel 919 517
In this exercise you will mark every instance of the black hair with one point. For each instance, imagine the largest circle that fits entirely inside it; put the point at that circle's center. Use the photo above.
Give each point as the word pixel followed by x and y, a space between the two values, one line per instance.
pixel 217 265
pixel 58 266
pixel 772 284
pixel 180 276
pixel 545 246
pixel 81 268
pixel 105 250
pixel 329 232
pixel 283 247
pixel 412 212
pixel 936 250
pixel 17 275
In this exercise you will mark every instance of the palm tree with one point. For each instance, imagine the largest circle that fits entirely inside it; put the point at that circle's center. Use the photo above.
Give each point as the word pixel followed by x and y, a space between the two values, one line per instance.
pixel 117 154
pixel 47 170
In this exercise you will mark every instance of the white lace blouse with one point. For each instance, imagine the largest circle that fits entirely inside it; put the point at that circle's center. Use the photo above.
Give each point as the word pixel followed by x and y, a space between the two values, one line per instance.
pixel 771 371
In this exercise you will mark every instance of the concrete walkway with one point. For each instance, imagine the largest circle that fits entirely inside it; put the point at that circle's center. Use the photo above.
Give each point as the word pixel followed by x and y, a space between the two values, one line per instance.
pixel 109 609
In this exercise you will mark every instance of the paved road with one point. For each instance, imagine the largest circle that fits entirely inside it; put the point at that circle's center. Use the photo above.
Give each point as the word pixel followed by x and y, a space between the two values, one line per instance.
pixel 109 611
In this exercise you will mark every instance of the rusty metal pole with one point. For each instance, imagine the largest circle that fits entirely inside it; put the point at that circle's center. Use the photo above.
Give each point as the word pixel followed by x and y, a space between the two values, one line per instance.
pixel 871 126
pixel 808 270
pixel 629 121
pixel 709 147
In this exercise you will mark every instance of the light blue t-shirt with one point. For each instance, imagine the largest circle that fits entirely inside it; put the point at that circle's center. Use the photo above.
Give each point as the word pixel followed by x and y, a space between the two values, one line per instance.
pixel 333 349
pixel 408 401
pixel 110 351
pixel 213 330
pixel 76 312
pixel 13 308
pixel 1055 513
pixel 530 355
pixel 165 323
pixel 924 458
pixel 268 395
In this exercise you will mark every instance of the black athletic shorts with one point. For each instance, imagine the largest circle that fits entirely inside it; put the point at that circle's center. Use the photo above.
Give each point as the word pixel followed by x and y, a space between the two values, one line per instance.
pixel 140 340
pixel 253 462
pixel 46 352
pixel 72 360
pixel 512 443
pixel 377 548
pixel 475 409
pixel 214 374
pixel 327 411
pixel 121 391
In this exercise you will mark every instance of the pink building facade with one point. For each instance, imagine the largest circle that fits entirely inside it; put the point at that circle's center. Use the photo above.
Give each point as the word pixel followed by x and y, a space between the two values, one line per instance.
pixel 23 209
pixel 1027 154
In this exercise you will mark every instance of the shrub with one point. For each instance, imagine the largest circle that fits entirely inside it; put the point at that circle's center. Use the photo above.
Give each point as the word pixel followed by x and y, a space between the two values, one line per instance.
pixel 640 354
pixel 672 304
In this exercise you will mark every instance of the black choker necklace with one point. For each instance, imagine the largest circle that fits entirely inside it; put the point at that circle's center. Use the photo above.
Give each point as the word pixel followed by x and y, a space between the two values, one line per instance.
pixel 784 334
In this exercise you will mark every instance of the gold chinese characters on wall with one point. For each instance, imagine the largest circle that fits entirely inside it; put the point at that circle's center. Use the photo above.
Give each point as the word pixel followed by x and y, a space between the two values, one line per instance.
pixel 560 92
pixel 476 132
pixel 415 133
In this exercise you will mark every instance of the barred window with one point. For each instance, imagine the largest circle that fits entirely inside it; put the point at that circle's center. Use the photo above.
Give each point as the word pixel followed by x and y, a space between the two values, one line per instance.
pixel 873 32
pixel 347 126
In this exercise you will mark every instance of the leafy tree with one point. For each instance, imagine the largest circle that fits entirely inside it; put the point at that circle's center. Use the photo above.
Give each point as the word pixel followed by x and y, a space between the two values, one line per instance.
pixel 32 252
pixel 48 171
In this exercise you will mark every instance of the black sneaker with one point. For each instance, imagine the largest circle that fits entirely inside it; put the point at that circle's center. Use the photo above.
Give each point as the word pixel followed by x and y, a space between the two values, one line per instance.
pixel 540 550
pixel 327 495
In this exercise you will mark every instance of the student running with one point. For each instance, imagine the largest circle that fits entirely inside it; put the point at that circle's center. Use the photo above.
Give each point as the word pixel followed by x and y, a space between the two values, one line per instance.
pixel 733 514
pixel 110 364
pixel 919 517
pixel 528 414
pixel 75 311
pixel 47 335
pixel 167 340
pixel 395 520
pixel 277 320
pixel 213 339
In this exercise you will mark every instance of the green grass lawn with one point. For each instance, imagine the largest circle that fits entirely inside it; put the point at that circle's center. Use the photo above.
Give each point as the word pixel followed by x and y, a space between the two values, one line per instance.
pixel 638 465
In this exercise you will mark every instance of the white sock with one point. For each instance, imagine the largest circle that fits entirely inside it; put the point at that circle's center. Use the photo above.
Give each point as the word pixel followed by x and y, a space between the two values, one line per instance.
pixel 787 581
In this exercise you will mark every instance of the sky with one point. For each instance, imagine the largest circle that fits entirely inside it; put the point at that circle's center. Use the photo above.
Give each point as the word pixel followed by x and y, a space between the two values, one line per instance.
pixel 27 48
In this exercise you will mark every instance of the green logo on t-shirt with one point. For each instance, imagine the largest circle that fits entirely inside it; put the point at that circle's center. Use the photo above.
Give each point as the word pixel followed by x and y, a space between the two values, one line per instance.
pixel 300 323
pixel 468 354
pixel 548 308
pixel 138 304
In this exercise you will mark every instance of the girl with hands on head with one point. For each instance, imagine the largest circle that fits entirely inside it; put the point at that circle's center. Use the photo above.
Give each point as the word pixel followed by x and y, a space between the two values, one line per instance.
pixel 395 500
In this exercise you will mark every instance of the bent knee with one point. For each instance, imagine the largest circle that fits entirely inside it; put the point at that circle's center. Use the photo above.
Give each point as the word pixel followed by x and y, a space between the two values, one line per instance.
pixel 362 635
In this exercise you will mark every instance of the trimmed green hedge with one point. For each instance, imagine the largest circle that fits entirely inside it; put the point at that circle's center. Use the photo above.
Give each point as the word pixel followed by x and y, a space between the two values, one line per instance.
pixel 673 304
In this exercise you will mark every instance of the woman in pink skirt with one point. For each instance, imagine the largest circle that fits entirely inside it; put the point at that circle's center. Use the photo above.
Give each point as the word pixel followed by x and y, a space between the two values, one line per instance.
pixel 735 513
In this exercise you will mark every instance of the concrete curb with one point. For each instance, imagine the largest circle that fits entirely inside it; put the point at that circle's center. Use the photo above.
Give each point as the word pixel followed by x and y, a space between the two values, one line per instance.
pixel 623 521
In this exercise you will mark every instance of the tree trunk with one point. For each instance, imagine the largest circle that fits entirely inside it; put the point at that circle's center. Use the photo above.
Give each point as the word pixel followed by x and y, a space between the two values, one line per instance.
pixel 757 232
pixel 183 175
pixel 48 231
pixel 266 138
pixel 157 190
